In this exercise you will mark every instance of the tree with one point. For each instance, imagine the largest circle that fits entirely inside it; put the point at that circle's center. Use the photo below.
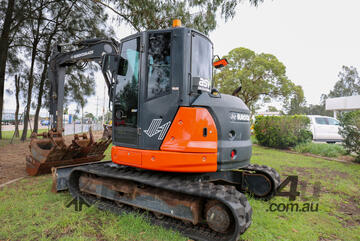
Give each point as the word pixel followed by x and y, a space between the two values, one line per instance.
pixel 17 92
pixel 261 76
pixel 272 109
pixel 200 15
pixel 60 14
pixel 4 46
pixel 317 110
pixel 296 103
pixel 14 18
pixel 348 83
pixel 90 116
pixel 32 27
pixel 62 21
pixel 35 33
pixel 350 131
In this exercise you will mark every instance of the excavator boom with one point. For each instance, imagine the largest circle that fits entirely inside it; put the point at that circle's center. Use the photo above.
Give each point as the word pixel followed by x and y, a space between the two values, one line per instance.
pixel 51 150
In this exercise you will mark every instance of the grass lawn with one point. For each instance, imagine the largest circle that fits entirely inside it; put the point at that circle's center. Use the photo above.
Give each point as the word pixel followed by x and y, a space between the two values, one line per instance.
pixel 30 211
pixel 7 136
pixel 322 149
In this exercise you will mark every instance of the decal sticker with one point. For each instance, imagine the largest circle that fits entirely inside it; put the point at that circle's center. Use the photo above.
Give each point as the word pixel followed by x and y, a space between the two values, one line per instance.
pixel 155 128
pixel 204 84
pixel 82 54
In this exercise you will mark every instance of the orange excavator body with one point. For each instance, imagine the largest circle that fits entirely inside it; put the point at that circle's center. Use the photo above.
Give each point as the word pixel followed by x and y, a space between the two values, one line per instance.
pixel 186 147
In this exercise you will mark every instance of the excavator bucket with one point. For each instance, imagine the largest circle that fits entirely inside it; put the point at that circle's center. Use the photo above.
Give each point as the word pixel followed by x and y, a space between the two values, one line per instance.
pixel 51 150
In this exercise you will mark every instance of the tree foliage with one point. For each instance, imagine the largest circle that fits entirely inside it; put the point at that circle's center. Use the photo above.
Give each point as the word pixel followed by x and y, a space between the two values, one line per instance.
pixel 350 131
pixel 261 76
pixel 272 109
pixel 50 22
pixel 317 110
pixel 31 28
pixel 296 103
pixel 348 83
pixel 155 14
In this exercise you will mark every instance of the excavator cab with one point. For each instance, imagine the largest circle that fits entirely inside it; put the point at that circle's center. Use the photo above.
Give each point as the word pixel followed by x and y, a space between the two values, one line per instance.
pixel 164 106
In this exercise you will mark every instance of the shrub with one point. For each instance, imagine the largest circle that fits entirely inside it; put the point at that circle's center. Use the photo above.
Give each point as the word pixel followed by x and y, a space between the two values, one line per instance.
pixel 350 131
pixel 282 131
pixel 321 149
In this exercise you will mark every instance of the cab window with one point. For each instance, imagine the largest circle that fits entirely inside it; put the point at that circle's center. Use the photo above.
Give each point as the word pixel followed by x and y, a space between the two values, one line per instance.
pixel 126 93
pixel 201 57
pixel 159 63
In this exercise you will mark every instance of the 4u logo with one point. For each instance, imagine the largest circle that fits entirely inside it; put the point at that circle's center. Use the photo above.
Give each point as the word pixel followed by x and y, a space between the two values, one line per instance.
pixel 293 193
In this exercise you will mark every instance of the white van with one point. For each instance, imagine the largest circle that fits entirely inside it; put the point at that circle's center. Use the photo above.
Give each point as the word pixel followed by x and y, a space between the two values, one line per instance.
pixel 325 128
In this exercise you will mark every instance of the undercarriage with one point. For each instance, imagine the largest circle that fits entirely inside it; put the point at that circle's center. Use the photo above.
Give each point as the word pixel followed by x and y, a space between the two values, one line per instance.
pixel 202 206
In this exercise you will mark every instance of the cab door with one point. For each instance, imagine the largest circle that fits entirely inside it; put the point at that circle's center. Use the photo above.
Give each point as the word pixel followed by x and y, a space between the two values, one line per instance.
pixel 160 90
pixel 126 94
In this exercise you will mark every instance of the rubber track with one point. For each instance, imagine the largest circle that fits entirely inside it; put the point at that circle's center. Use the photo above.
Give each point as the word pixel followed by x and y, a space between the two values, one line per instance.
pixel 270 173
pixel 227 195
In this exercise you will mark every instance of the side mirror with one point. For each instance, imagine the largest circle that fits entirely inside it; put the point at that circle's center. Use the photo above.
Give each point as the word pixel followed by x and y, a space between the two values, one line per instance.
pixel 123 66
pixel 109 63
pixel 220 63
pixel 109 67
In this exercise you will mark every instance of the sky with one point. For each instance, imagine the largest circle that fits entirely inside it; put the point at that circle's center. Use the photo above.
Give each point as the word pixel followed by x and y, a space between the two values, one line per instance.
pixel 313 39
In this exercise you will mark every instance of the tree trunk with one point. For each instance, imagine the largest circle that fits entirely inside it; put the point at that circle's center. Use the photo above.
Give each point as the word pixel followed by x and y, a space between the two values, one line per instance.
pixel 44 75
pixel 31 84
pixel 41 86
pixel 17 91
pixel 82 118
pixel 4 46
pixel 31 76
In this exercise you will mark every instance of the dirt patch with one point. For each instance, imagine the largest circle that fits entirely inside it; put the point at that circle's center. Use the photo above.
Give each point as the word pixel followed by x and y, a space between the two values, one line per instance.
pixel 348 212
pixel 350 208
pixel 12 158
pixel 347 158
pixel 311 172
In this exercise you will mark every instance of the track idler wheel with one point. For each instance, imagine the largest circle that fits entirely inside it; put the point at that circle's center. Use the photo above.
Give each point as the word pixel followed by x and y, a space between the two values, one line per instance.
pixel 258 185
pixel 218 217
pixel 260 181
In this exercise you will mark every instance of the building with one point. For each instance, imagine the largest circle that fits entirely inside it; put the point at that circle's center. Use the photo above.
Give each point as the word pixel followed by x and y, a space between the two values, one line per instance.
pixel 347 103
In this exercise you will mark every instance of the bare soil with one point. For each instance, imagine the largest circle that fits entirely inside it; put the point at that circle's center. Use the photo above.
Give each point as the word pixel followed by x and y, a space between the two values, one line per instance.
pixel 12 158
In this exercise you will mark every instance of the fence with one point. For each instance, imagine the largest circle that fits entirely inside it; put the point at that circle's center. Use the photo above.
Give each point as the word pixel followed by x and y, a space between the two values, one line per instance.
pixel 70 129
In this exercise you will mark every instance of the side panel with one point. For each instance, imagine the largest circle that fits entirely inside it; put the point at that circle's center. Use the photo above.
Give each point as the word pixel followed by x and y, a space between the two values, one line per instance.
pixel 193 130
pixel 190 145
pixel 232 135
pixel 165 160
pixel 131 157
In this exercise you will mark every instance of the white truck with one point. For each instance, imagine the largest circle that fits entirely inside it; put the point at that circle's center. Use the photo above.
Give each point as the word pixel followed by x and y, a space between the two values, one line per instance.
pixel 325 129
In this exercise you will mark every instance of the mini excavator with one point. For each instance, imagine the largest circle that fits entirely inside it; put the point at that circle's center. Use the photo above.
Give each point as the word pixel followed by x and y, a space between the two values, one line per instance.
pixel 181 150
